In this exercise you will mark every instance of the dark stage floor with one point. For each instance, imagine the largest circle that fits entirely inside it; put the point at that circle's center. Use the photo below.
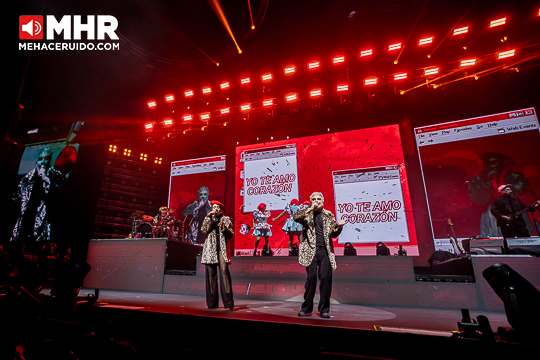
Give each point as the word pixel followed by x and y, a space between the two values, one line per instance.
pixel 392 319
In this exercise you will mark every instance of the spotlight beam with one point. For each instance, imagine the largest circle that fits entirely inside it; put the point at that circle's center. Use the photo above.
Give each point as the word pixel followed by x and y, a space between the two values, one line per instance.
pixel 452 29
pixel 410 33
pixel 218 10
pixel 251 15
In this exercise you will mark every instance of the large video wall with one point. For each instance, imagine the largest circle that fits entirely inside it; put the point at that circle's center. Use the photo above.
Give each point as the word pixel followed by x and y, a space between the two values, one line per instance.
pixel 361 174
pixel 463 164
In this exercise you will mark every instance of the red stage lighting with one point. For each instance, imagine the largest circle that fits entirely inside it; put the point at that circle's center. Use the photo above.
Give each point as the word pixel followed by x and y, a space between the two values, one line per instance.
pixel 169 98
pixel 188 93
pixel 205 116
pixel 143 157
pixel 207 90
pixel 245 81
pixel 152 104
pixel 127 152
pixel 224 111
pixel 400 76
pixel 167 122
pixel 269 102
pixel 396 46
pixel 224 85
pixel 267 77
pixel 370 81
pixel 431 71
pixel 339 59
pixel 497 22
pixel 313 65
pixel 461 30
pixel 366 52
pixel 291 97
pixel 343 87
pixel 188 117
pixel 112 148
pixel 148 126
pixel 245 107
pixel 314 93
pixel 290 70
pixel 468 62
pixel 425 41
pixel 506 54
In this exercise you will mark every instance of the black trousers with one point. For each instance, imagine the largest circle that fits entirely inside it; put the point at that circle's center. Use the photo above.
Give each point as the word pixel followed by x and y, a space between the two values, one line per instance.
pixel 211 274
pixel 320 268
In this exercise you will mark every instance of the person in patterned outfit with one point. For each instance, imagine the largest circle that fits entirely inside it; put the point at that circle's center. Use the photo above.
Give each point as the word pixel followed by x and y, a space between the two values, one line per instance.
pixel 216 253
pixel 34 195
pixel 261 228
pixel 316 253
pixel 291 227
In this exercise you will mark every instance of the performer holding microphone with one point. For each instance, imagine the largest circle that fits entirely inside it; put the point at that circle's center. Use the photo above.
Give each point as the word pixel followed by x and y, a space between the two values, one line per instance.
pixel 316 252
pixel 215 254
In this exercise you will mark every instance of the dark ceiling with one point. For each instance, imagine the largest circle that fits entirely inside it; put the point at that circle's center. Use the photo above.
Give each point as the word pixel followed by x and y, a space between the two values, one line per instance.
pixel 169 46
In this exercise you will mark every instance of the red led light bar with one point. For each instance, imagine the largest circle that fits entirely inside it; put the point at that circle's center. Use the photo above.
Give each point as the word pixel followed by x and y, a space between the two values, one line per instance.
pixel 268 102
pixel 188 93
pixel 431 71
pixel 169 98
pixel 224 111
pixel 167 122
pixel 245 81
pixel 342 87
pixel 396 46
pixel 188 117
pixel 506 54
pixel 267 77
pixel 461 30
pixel 425 41
pixel 152 104
pixel 224 85
pixel 468 62
pixel 497 22
pixel 291 97
pixel 371 81
pixel 400 76
pixel 205 116
pixel 290 70
pixel 366 52
pixel 314 93
pixel 339 59
pixel 313 65
pixel 245 107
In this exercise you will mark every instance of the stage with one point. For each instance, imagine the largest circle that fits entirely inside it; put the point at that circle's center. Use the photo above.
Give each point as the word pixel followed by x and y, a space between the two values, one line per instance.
pixel 380 307
pixel 165 324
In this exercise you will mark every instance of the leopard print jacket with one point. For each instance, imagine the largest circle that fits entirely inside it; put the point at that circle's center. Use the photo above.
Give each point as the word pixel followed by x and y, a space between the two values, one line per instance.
pixel 210 253
pixel 307 242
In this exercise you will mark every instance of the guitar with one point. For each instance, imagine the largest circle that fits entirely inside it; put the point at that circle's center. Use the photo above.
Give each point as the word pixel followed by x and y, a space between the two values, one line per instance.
pixel 514 216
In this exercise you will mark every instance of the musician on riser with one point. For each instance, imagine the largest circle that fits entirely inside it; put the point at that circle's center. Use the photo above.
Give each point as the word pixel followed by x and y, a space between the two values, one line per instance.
pixel 509 210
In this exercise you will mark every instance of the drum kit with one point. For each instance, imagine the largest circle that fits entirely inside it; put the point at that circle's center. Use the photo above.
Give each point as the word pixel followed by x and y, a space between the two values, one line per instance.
pixel 164 224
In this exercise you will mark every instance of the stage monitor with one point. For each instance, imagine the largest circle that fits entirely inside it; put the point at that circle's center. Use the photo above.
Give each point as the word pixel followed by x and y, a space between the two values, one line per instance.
pixel 361 174
pixel 463 164
pixel 193 183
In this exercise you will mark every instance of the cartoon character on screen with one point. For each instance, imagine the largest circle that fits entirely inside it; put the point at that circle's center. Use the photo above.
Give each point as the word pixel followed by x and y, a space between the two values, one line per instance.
pixel 35 195
pixel 261 228
pixel 291 227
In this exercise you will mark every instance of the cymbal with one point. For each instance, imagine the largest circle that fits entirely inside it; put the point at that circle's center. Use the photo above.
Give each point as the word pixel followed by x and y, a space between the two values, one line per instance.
pixel 136 214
